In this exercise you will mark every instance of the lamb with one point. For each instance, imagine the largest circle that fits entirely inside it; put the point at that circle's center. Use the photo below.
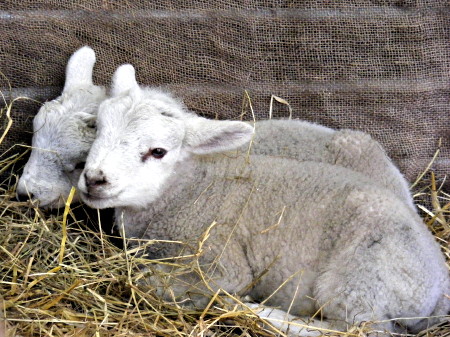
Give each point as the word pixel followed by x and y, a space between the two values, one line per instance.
pixel 304 235
pixel 64 130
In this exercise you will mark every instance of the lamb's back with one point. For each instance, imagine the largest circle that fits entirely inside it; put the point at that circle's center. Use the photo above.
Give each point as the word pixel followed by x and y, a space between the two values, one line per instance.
pixel 305 141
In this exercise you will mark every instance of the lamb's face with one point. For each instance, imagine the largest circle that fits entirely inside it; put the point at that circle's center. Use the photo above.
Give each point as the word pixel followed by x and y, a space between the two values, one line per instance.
pixel 64 130
pixel 142 137
pixel 137 147
pixel 63 134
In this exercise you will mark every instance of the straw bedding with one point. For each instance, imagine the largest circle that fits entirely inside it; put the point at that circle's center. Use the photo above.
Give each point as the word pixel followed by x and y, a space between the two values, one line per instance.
pixel 60 276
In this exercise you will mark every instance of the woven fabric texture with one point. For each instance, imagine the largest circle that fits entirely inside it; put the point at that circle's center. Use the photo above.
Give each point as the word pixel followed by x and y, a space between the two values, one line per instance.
pixel 378 66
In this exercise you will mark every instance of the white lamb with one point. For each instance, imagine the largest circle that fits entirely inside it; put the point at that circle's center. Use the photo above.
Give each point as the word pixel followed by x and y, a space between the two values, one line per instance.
pixel 306 235
pixel 64 130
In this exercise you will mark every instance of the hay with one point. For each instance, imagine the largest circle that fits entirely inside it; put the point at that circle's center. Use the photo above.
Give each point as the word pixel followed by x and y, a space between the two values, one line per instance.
pixel 61 278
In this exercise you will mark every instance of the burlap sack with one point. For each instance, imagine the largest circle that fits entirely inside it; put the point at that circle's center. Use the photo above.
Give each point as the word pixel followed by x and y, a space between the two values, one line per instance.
pixel 377 66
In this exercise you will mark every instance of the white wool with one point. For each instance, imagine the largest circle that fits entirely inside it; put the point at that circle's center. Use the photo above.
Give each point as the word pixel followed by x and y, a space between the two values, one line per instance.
pixel 345 241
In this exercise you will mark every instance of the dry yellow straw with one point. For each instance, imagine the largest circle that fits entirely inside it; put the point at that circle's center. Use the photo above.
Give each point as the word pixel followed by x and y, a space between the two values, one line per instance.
pixel 64 223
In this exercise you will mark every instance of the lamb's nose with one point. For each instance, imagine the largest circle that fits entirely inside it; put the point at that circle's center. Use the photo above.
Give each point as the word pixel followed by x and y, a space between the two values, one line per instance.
pixel 24 196
pixel 94 179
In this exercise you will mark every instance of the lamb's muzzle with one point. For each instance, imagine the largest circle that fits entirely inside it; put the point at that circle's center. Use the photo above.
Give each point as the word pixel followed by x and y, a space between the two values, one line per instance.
pixel 94 179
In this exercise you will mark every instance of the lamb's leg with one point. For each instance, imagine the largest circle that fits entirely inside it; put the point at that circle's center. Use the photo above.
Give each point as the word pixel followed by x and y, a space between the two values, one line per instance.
pixel 293 325
pixel 192 286
pixel 177 285
pixel 386 268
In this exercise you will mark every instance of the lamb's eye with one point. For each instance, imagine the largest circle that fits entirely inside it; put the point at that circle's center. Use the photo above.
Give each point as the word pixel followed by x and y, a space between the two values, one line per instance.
pixel 80 165
pixel 158 153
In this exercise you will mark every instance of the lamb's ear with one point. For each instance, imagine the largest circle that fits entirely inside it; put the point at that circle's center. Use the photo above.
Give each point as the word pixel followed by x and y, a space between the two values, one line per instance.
pixel 205 136
pixel 79 68
pixel 124 79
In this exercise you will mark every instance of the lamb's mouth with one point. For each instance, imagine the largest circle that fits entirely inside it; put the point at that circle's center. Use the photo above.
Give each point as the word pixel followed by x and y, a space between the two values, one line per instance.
pixel 89 196
pixel 48 205
pixel 98 201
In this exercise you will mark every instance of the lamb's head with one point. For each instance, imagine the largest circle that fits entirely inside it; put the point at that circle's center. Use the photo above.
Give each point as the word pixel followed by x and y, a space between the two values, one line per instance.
pixel 143 135
pixel 63 132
